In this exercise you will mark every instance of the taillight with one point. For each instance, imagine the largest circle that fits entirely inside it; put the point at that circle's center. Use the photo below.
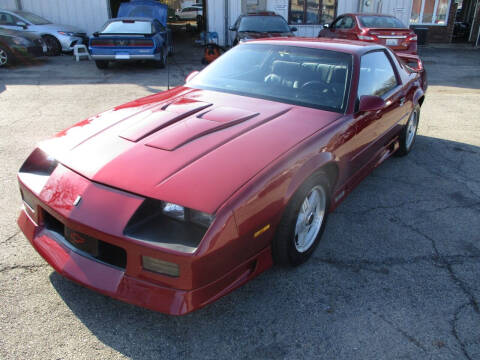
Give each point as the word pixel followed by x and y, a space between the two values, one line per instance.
pixel 366 38
pixel 141 43
pixel 102 43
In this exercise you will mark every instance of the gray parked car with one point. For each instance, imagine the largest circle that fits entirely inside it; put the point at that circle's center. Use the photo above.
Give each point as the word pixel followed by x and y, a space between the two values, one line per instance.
pixel 57 37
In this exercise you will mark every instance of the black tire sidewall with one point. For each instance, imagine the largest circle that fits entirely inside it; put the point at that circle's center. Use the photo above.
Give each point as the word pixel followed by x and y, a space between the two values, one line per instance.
pixel 284 251
pixel 56 49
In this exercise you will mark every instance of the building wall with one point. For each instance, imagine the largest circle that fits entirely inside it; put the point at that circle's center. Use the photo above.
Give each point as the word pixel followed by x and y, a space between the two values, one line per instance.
pixel 8 4
pixel 440 33
pixel 88 15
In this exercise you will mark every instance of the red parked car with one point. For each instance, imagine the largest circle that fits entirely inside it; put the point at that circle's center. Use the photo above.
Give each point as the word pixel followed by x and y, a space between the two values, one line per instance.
pixel 172 201
pixel 381 29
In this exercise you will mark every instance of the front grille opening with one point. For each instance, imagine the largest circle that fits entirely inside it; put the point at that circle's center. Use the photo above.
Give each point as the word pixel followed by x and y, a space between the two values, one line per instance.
pixel 86 245
pixel 52 224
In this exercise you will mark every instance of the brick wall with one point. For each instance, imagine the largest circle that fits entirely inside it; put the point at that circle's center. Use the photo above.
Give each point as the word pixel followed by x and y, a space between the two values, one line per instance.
pixel 441 34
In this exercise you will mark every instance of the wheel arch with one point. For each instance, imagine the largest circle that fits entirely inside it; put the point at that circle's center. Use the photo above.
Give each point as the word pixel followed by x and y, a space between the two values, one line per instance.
pixel 418 97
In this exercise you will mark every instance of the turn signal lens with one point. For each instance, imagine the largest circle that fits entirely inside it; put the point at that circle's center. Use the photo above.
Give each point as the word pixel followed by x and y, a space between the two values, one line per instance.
pixel 160 266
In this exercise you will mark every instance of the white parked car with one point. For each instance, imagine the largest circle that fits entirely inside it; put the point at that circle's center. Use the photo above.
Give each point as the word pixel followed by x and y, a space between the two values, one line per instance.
pixel 57 37
pixel 194 12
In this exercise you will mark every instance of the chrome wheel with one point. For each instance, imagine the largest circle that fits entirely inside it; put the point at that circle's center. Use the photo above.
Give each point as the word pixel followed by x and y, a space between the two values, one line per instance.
pixel 3 57
pixel 310 219
pixel 411 129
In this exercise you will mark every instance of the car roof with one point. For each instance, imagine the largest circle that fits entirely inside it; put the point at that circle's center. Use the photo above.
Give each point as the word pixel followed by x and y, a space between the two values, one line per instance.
pixel 368 14
pixel 340 45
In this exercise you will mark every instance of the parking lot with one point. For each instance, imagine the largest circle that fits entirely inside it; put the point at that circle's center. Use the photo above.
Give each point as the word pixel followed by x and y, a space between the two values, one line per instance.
pixel 395 277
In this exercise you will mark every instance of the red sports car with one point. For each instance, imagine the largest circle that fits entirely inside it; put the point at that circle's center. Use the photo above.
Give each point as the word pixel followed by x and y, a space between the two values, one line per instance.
pixel 174 200
pixel 381 29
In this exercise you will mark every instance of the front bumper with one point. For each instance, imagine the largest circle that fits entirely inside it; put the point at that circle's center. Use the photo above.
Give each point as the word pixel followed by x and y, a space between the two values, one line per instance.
pixel 69 42
pixel 205 275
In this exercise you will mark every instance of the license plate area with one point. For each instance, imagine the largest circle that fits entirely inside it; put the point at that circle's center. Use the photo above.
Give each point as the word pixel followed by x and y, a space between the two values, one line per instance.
pixel 82 242
pixel 392 42
pixel 122 56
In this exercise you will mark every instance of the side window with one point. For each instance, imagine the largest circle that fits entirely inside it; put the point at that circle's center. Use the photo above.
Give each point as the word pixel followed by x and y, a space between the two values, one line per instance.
pixel 376 75
pixel 7 19
pixel 348 23
pixel 338 23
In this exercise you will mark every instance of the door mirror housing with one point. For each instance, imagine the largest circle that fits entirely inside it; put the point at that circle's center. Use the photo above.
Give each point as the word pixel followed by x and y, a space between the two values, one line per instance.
pixel 95 34
pixel 293 28
pixel 370 103
pixel 326 26
pixel 232 28
pixel 22 24
pixel 191 75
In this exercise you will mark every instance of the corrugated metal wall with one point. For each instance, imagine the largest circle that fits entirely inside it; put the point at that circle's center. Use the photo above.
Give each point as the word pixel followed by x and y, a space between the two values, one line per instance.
pixel 8 4
pixel 88 15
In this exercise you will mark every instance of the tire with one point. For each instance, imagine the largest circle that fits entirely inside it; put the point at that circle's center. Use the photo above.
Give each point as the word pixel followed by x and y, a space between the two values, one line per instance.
pixel 101 64
pixel 289 247
pixel 160 64
pixel 409 133
pixel 54 48
pixel 5 57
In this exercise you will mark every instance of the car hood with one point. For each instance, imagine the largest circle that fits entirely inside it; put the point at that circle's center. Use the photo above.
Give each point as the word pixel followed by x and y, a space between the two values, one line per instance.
pixel 59 27
pixel 187 146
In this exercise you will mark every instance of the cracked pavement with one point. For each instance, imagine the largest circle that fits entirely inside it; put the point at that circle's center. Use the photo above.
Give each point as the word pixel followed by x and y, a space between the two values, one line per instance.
pixel 396 275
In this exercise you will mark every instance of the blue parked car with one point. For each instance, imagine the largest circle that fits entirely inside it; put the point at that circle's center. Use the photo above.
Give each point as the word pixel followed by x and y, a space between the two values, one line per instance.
pixel 129 38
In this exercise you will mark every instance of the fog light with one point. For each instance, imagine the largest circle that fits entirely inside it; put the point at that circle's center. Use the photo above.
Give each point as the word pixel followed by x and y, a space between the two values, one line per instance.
pixel 160 266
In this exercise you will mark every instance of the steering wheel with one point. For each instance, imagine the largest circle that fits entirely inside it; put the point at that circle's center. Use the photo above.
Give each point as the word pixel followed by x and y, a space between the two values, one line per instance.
pixel 315 86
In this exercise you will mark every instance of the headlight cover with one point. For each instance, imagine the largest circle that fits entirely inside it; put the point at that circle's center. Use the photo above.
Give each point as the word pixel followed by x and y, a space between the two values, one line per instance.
pixel 180 213
pixel 36 170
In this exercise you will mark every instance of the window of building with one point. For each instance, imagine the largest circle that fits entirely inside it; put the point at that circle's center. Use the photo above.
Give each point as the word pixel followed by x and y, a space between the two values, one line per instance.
pixel 311 12
pixel 430 12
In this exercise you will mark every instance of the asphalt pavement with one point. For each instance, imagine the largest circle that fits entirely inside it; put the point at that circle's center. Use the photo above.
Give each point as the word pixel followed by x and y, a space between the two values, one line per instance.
pixel 395 277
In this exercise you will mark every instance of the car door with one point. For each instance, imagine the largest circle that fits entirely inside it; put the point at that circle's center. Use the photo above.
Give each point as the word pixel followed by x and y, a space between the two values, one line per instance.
pixel 375 130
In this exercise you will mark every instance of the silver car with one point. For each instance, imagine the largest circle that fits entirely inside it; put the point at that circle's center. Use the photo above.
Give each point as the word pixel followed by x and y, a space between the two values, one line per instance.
pixel 57 37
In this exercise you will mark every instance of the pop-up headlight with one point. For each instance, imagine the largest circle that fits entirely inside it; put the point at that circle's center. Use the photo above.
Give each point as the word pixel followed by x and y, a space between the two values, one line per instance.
pixel 36 170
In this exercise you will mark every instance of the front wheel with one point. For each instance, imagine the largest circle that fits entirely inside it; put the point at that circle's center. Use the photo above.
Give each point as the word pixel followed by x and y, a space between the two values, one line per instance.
pixel 54 47
pixel 409 133
pixel 303 223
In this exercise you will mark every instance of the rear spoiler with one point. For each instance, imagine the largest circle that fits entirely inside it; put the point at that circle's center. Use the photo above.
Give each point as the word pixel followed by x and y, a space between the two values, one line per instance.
pixel 412 61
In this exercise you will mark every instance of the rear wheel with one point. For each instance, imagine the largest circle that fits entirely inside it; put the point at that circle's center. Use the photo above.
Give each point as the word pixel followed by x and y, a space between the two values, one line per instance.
pixel 54 47
pixel 101 64
pixel 303 223
pixel 5 58
pixel 409 133
pixel 163 59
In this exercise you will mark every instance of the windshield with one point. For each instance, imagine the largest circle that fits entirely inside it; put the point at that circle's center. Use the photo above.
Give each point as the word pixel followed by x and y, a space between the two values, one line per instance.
pixel 295 75
pixel 128 27
pixel 270 24
pixel 381 22
pixel 32 18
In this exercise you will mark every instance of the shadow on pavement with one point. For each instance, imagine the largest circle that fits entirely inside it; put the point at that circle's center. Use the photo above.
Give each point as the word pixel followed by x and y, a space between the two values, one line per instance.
pixel 389 263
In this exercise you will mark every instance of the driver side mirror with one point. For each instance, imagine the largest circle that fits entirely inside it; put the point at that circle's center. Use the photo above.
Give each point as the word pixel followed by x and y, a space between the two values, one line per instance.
pixel 371 103
pixel 232 28
pixel 326 26
pixel 191 76
pixel 95 34
pixel 22 24
pixel 293 28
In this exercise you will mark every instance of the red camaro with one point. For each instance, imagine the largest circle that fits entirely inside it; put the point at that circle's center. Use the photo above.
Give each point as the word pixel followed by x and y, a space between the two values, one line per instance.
pixel 172 201
pixel 381 29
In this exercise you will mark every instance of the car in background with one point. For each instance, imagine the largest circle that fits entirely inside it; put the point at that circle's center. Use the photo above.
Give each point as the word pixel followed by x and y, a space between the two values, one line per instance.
pixel 174 200
pixel 57 37
pixel 193 12
pixel 260 25
pixel 127 39
pixel 18 46
pixel 381 29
